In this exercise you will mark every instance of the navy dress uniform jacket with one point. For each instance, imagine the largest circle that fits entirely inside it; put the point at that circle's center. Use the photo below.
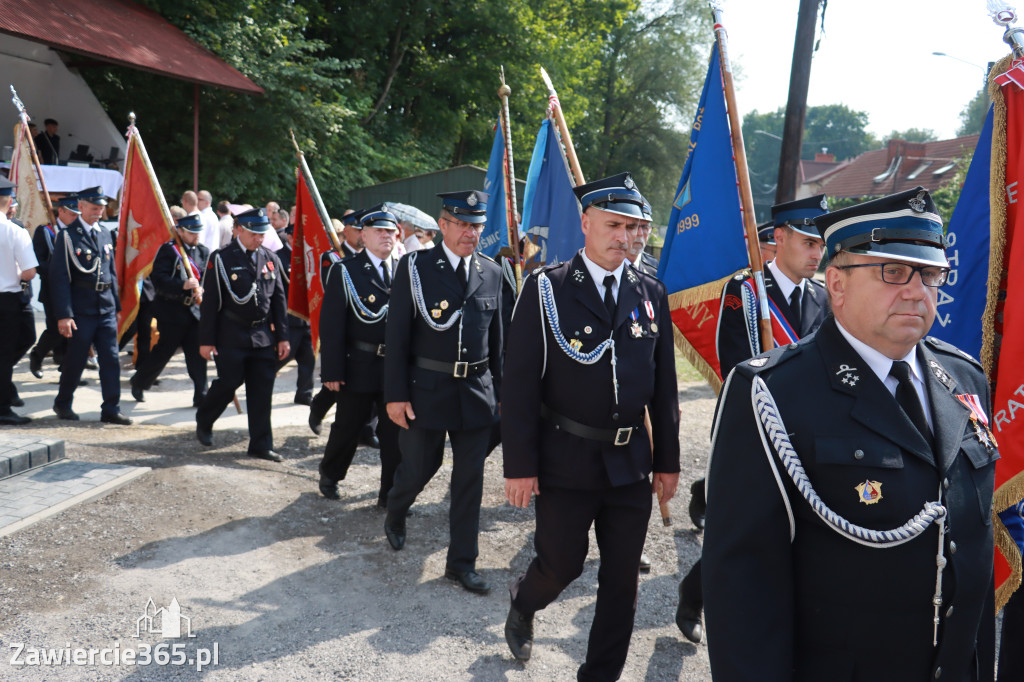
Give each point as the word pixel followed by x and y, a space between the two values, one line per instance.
pixel 168 278
pixel 735 342
pixel 802 602
pixel 223 322
pixel 341 324
pixel 543 374
pixel 42 245
pixel 441 401
pixel 73 291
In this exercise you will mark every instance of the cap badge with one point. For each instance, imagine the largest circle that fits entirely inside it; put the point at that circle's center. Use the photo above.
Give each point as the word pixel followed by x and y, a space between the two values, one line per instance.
pixel 759 362
pixel 471 200
pixel 917 204
pixel 628 182
pixel 869 492
pixel 823 204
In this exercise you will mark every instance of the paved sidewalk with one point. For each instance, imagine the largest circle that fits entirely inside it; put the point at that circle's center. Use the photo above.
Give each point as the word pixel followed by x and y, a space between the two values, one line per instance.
pixel 42 492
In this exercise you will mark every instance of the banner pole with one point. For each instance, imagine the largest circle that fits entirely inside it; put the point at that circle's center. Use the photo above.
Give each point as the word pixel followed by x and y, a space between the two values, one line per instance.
pixel 311 185
pixel 510 182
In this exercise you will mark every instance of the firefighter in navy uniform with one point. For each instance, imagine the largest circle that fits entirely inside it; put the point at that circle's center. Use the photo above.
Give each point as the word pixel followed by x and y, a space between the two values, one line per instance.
pixel 352 343
pixel 300 334
pixel 177 293
pixel 801 304
pixel 43 242
pixel 442 374
pixel 243 328
pixel 590 347
pixel 877 563
pixel 84 296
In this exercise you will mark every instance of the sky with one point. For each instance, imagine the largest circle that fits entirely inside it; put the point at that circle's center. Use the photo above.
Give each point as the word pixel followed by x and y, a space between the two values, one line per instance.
pixel 874 56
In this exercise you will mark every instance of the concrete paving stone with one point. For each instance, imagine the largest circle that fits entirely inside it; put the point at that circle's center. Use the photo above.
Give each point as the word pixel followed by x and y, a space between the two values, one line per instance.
pixel 7 520
pixel 38 454
pixel 55 447
pixel 19 460
pixel 5 466
pixel 30 509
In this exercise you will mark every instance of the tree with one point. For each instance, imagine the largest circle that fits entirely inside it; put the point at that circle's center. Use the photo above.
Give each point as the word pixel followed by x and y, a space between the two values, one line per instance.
pixel 972 117
pixel 912 135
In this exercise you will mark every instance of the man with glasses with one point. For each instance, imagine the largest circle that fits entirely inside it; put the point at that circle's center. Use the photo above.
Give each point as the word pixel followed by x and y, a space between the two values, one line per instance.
pixel 849 530
pixel 442 373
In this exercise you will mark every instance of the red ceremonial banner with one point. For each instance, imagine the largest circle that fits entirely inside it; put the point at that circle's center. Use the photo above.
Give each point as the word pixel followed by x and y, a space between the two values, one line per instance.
pixel 309 243
pixel 144 226
pixel 1007 418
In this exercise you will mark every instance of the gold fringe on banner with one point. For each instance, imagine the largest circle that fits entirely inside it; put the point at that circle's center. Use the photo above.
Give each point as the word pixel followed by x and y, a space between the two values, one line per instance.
pixel 997 222
pixel 1008 495
pixel 695 295
pixel 685 299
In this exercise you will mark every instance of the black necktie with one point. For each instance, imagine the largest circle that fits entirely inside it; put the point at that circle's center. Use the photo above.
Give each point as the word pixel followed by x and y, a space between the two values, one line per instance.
pixel 609 299
pixel 386 273
pixel 461 272
pixel 906 396
pixel 794 308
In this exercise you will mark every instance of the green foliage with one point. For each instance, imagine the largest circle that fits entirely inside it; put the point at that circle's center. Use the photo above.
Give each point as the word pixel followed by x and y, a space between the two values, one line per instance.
pixel 946 196
pixel 835 127
pixel 912 135
pixel 972 117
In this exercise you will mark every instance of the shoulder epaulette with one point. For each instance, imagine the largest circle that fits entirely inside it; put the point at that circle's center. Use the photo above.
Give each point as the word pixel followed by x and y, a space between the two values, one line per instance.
pixel 948 348
pixel 770 359
pixel 486 257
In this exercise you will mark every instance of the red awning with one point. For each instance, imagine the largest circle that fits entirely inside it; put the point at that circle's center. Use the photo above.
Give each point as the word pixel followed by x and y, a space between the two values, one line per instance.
pixel 120 32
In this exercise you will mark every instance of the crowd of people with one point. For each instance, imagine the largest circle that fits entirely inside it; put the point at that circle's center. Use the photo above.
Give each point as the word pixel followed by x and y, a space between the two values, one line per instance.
pixel 848 496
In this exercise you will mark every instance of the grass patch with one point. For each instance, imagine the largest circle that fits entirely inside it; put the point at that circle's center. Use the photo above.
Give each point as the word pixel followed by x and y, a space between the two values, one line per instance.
pixel 685 371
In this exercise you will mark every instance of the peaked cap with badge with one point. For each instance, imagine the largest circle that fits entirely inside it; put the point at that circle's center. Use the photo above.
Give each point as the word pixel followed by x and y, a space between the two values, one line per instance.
pixel 876 559
pixel 615 194
pixel 94 195
pixel 378 216
pixel 800 214
pixel 469 206
pixel 7 187
pixel 190 223
pixel 254 220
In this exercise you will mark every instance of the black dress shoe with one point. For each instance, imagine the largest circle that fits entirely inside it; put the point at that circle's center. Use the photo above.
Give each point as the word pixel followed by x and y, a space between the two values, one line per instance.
pixel 314 423
pixel 394 529
pixel 645 563
pixel 35 365
pixel 329 488
pixel 204 435
pixel 303 400
pixel 17 402
pixel 697 504
pixel 688 619
pixel 137 393
pixel 11 419
pixel 370 441
pixel 470 580
pixel 66 413
pixel 268 455
pixel 115 418
pixel 519 634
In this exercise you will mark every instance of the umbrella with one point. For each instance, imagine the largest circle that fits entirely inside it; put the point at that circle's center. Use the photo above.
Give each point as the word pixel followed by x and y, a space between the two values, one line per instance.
pixel 411 214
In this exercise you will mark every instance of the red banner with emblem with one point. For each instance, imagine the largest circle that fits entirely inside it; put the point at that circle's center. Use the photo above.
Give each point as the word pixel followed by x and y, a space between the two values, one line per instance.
pixel 310 242
pixel 145 225
pixel 1003 344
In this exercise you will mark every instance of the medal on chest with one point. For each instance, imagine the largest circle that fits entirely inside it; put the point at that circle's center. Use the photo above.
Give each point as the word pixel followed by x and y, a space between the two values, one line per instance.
pixel 979 420
pixel 635 330
pixel 649 309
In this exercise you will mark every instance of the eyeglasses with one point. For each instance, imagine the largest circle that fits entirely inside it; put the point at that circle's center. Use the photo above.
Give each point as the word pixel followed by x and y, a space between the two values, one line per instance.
pixel 464 226
pixel 901 273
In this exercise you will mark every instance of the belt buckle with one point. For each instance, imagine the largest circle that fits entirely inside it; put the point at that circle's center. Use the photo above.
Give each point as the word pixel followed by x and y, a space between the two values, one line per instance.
pixel 380 350
pixel 622 435
pixel 100 286
pixel 461 370
pixel 188 300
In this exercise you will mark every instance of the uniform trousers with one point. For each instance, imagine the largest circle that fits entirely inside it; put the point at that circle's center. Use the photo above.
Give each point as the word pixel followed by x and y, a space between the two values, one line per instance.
pixel 353 411
pixel 323 401
pixel 255 368
pixel 421 453
pixel 564 517
pixel 99 332
pixel 183 334
pixel 300 339
pixel 144 331
pixel 18 333
pixel 50 339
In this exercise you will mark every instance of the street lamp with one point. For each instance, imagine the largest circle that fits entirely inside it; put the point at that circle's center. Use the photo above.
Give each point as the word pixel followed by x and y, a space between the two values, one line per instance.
pixel 977 66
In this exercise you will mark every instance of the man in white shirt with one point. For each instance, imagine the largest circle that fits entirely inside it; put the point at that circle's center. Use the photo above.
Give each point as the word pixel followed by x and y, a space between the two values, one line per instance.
pixel 17 268
pixel 210 237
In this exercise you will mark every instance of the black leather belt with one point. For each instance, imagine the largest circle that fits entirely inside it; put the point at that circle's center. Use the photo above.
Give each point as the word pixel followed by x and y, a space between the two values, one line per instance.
pixel 182 299
pixel 98 286
pixel 375 348
pixel 614 436
pixel 459 370
pixel 251 324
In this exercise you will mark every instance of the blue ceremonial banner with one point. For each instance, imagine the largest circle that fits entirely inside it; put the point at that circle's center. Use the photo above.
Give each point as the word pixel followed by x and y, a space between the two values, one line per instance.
pixel 706 218
pixel 551 214
pixel 495 234
pixel 962 300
